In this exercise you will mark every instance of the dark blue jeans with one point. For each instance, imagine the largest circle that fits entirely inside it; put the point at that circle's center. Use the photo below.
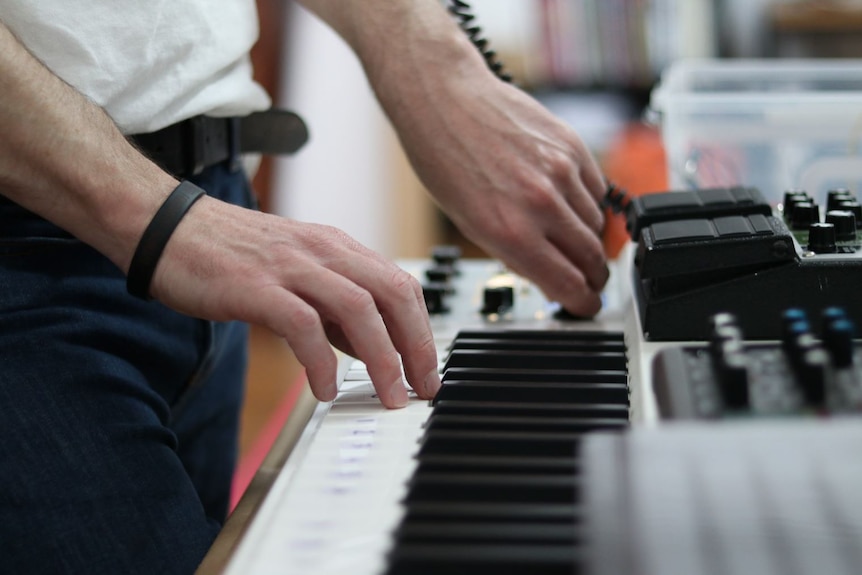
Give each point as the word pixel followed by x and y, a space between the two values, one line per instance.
pixel 118 417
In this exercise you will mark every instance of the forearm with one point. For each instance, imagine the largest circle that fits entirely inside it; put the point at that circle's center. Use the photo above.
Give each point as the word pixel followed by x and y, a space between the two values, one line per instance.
pixel 405 47
pixel 63 158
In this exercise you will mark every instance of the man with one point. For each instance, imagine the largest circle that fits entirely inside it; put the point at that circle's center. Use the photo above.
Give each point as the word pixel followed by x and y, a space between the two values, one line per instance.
pixel 120 428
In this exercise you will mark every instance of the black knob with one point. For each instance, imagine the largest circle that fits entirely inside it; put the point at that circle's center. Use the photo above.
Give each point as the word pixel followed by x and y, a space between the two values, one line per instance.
pixel 836 196
pixel 794 322
pixel 838 333
pixel 821 238
pixel 498 299
pixel 854 207
pixel 811 372
pixel 732 369
pixel 434 299
pixel 724 329
pixel 793 197
pixel 845 224
pixel 446 255
pixel 804 214
pixel 441 273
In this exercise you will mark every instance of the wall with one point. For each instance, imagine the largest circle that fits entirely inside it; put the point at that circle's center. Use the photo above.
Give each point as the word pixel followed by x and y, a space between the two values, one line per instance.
pixel 341 177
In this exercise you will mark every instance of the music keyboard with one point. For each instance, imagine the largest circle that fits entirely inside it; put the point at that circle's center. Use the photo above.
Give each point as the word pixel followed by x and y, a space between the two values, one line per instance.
pixel 337 501
pixel 544 453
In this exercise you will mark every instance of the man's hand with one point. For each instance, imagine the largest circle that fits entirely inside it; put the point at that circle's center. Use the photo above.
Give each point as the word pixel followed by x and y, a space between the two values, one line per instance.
pixel 311 284
pixel 515 179
pixel 63 158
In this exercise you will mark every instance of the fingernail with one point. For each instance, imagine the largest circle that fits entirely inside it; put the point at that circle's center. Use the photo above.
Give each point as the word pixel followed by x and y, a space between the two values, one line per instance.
pixel 332 391
pixel 432 384
pixel 398 394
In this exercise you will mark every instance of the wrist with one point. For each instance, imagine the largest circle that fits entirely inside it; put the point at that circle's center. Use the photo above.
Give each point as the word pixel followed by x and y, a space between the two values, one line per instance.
pixel 156 236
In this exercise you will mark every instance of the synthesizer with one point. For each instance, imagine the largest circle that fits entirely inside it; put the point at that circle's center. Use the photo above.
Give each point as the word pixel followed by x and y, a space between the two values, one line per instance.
pixel 610 445
pixel 337 500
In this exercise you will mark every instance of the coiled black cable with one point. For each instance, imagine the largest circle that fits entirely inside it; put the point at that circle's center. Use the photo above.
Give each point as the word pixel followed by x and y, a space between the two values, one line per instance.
pixel 464 14
pixel 616 199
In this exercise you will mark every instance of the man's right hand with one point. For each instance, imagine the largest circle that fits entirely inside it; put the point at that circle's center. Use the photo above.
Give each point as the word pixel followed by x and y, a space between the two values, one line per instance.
pixel 311 284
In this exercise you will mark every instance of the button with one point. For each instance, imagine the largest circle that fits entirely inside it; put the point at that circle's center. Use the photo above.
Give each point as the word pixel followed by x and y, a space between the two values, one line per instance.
pixel 760 225
pixel 682 231
pixel 717 197
pixel 670 200
pixel 743 195
pixel 732 226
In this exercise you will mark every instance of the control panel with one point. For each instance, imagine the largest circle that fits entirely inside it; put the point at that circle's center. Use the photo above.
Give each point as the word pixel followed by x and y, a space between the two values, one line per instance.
pixel 726 250
pixel 814 370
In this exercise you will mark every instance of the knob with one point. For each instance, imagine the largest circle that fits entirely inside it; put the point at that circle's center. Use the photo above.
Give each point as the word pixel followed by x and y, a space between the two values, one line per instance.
pixel 440 273
pixel 434 299
pixel 793 197
pixel 845 224
pixel 838 332
pixel 446 255
pixel 498 299
pixel 804 214
pixel 821 238
pixel 794 322
pixel 811 371
pixel 724 329
pixel 732 370
pixel 854 207
pixel 836 196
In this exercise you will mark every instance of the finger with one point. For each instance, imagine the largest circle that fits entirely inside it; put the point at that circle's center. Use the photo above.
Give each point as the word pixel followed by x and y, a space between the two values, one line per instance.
pixel 582 202
pixel 398 297
pixel 559 279
pixel 581 247
pixel 410 328
pixel 566 171
pixel 593 180
pixel 301 327
pixel 354 310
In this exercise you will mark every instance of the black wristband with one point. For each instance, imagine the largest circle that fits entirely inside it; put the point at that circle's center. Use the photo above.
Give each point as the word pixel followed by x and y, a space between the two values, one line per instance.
pixel 156 237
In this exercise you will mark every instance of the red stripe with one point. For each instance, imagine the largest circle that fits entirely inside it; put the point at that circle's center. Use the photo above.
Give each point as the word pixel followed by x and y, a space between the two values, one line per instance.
pixel 251 461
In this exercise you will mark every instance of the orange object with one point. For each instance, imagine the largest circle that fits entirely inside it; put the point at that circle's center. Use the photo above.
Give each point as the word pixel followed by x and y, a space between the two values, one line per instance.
pixel 635 162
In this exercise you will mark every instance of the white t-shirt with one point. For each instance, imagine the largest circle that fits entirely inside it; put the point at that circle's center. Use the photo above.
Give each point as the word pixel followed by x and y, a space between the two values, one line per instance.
pixel 148 63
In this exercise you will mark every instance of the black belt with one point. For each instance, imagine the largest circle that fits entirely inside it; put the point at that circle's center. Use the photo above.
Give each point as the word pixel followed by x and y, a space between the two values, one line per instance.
pixel 184 149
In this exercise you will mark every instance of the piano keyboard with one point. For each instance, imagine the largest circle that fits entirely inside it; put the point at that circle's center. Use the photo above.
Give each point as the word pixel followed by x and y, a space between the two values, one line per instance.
pixel 487 475
pixel 495 485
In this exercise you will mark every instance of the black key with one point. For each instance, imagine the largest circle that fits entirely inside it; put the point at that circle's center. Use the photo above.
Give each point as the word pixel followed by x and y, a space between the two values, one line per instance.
pixel 499 464
pixel 527 392
pixel 530 360
pixel 503 423
pixel 500 443
pixel 612 411
pixel 499 559
pixel 535 375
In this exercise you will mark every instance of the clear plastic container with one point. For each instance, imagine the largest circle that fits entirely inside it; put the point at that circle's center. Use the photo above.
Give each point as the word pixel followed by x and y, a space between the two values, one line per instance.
pixel 772 124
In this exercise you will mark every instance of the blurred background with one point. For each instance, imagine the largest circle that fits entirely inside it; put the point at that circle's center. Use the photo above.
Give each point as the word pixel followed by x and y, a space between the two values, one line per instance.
pixel 594 63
